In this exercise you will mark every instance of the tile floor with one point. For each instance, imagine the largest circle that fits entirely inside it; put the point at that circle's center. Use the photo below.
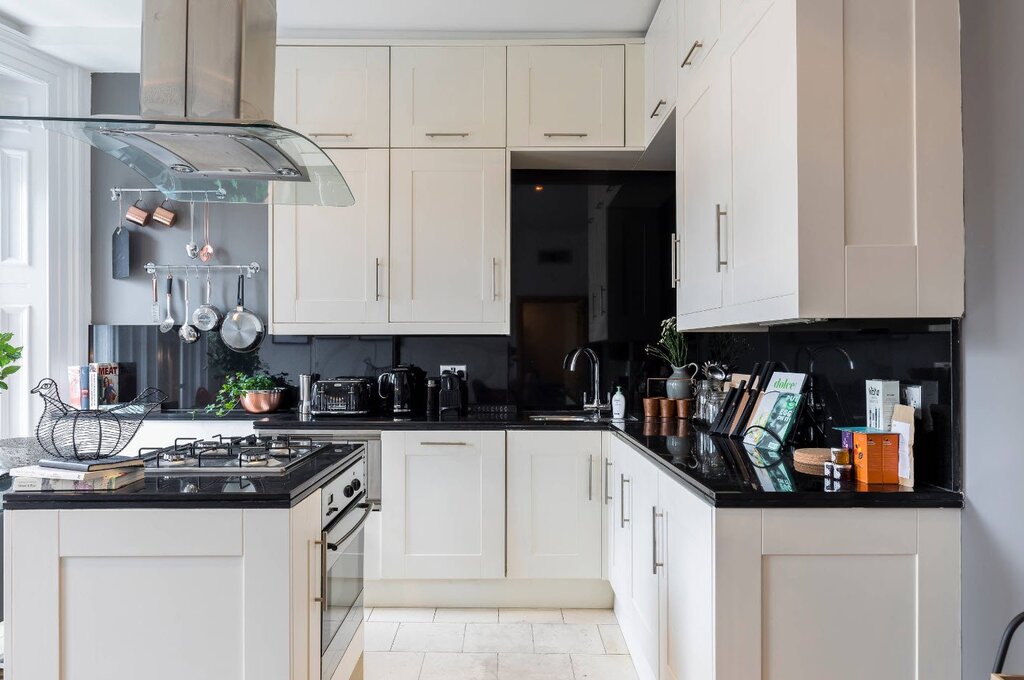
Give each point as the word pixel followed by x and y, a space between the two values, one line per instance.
pixel 495 644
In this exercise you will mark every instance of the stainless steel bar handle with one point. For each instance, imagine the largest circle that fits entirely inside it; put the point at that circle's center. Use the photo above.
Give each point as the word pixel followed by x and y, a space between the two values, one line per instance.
pixel 565 134
pixel 444 444
pixel 376 278
pixel 697 44
pixel 494 278
pixel 675 261
pixel 654 113
pixel 447 134
pixel 654 530
pixel 330 134
pixel 362 520
pixel 607 474
pixel 590 477
pixel 622 501
pixel 719 214
pixel 322 599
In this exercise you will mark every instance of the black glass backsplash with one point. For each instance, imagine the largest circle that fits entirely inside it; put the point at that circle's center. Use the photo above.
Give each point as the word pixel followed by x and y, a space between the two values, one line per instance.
pixel 590 266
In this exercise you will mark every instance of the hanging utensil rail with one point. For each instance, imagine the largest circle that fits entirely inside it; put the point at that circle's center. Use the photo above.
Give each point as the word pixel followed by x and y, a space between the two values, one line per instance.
pixel 248 269
pixel 180 196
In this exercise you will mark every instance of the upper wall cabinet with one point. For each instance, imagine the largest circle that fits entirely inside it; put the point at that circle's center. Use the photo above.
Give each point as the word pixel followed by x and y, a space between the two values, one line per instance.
pixel 832 184
pixel 700 24
pixel 330 265
pixel 449 240
pixel 448 96
pixel 660 68
pixel 566 95
pixel 336 95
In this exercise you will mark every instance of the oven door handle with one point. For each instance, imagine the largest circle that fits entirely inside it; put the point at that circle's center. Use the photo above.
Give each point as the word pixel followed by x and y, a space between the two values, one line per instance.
pixel 359 525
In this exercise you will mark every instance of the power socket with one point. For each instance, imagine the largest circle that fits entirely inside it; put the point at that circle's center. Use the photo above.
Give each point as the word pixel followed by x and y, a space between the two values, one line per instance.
pixel 459 369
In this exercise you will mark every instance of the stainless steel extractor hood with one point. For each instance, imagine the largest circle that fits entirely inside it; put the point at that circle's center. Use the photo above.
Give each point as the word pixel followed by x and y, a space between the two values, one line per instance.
pixel 206 96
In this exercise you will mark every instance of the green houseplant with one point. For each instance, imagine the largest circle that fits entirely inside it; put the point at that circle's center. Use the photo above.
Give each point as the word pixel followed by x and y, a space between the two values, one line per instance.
pixel 8 355
pixel 671 348
pixel 257 394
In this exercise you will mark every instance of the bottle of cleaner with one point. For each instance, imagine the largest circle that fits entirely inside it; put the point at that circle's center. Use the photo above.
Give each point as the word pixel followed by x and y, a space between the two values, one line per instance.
pixel 619 404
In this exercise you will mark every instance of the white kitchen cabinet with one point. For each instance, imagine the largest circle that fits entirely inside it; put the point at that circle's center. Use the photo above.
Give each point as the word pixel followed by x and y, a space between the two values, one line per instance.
pixel 767 576
pixel 449 239
pixel 240 581
pixel 448 96
pixel 329 273
pixel 699 26
pixel 443 505
pixel 560 95
pixel 555 504
pixel 338 96
pixel 660 67
pixel 703 196
pixel 642 610
pixel 843 139
pixel 620 559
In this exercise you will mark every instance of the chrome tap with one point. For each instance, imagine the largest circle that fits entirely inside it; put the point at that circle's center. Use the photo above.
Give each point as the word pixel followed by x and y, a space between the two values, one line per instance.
pixel 569 364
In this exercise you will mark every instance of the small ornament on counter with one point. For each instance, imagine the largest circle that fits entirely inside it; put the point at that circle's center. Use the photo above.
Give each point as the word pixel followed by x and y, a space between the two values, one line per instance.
pixel 841 456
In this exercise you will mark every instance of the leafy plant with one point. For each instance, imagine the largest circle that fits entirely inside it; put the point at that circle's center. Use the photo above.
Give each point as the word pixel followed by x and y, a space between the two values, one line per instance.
pixel 8 355
pixel 234 388
pixel 671 346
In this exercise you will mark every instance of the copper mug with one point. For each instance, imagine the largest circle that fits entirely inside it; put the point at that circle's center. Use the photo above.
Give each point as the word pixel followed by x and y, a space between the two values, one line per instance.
pixel 651 408
pixel 165 216
pixel 139 216
pixel 668 408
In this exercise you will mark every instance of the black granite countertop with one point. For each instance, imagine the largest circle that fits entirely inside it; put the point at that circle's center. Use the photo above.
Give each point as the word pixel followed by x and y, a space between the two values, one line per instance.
pixel 722 471
pixel 193 491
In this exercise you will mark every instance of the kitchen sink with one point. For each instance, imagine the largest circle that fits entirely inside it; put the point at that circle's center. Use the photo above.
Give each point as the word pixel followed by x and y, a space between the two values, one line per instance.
pixel 562 417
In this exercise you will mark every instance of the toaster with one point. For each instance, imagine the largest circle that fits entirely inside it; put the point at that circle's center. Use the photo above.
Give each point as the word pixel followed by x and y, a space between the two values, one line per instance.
pixel 342 397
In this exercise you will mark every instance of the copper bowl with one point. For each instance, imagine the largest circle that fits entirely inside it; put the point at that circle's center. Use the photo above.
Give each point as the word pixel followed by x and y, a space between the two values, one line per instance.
pixel 262 401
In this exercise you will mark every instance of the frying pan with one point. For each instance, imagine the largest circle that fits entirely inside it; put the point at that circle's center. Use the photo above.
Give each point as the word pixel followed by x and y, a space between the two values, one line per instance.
pixel 242 330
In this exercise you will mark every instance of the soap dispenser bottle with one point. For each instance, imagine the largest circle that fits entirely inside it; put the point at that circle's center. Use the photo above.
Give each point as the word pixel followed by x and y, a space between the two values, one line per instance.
pixel 619 404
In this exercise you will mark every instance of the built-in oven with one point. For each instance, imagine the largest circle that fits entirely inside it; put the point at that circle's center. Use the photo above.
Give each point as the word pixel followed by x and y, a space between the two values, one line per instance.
pixel 345 509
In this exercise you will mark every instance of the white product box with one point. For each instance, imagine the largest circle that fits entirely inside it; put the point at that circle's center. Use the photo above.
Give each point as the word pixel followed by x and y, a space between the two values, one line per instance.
pixel 882 397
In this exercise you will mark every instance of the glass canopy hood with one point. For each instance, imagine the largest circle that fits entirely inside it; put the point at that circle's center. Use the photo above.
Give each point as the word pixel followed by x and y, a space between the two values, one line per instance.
pixel 206 160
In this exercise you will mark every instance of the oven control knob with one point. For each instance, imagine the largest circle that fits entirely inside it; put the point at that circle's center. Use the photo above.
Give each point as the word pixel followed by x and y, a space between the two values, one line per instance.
pixel 348 491
pixel 356 484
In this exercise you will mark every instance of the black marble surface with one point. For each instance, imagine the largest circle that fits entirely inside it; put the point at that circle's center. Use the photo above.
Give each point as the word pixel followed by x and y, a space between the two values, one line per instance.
pixel 194 491
pixel 724 472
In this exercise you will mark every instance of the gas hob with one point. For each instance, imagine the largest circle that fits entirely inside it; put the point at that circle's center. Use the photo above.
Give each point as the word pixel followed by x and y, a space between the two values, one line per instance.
pixel 249 455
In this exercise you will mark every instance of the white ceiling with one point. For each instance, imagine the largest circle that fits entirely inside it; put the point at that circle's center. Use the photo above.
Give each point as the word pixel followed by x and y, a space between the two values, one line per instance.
pixel 103 35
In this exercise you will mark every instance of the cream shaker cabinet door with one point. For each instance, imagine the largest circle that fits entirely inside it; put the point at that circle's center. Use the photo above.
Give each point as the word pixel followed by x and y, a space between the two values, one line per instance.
pixel 700 24
pixel 449 237
pixel 338 96
pixel 554 505
pixel 443 505
pixel 566 95
pixel 330 264
pixel 644 596
pixel 660 67
pixel 702 198
pixel 448 96
pixel 764 249
pixel 620 561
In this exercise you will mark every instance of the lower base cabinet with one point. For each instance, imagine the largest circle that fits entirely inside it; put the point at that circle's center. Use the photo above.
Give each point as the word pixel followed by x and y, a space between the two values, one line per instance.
pixel 442 505
pixel 800 594
pixel 108 594
pixel 554 505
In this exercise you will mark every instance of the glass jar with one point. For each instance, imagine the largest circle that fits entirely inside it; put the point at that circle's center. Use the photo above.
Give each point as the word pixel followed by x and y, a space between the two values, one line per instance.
pixel 714 403
pixel 708 401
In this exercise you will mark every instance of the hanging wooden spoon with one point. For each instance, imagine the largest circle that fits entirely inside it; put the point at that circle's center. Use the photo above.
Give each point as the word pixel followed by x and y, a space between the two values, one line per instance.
pixel 206 254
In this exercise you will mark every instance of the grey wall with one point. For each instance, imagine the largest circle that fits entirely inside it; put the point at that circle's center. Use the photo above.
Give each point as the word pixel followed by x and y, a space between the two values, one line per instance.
pixel 993 531
pixel 238 232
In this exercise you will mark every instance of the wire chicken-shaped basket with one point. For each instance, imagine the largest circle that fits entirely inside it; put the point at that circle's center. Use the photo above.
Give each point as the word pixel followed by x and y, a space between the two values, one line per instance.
pixel 67 432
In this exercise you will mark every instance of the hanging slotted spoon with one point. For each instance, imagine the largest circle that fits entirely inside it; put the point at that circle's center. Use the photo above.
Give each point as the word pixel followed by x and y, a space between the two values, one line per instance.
pixel 168 323
pixel 187 332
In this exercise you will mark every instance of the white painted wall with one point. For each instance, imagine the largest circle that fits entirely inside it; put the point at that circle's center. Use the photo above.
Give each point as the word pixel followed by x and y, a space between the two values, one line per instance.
pixel 993 538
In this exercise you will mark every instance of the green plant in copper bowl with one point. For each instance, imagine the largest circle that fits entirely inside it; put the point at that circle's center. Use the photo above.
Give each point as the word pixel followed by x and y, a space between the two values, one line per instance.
pixel 256 393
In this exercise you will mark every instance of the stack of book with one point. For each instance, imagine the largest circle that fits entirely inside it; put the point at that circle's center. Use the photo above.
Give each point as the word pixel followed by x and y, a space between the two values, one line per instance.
pixel 109 474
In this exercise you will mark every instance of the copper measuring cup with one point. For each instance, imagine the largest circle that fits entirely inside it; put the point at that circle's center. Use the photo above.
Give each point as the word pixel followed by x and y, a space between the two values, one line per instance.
pixel 164 215
pixel 138 215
